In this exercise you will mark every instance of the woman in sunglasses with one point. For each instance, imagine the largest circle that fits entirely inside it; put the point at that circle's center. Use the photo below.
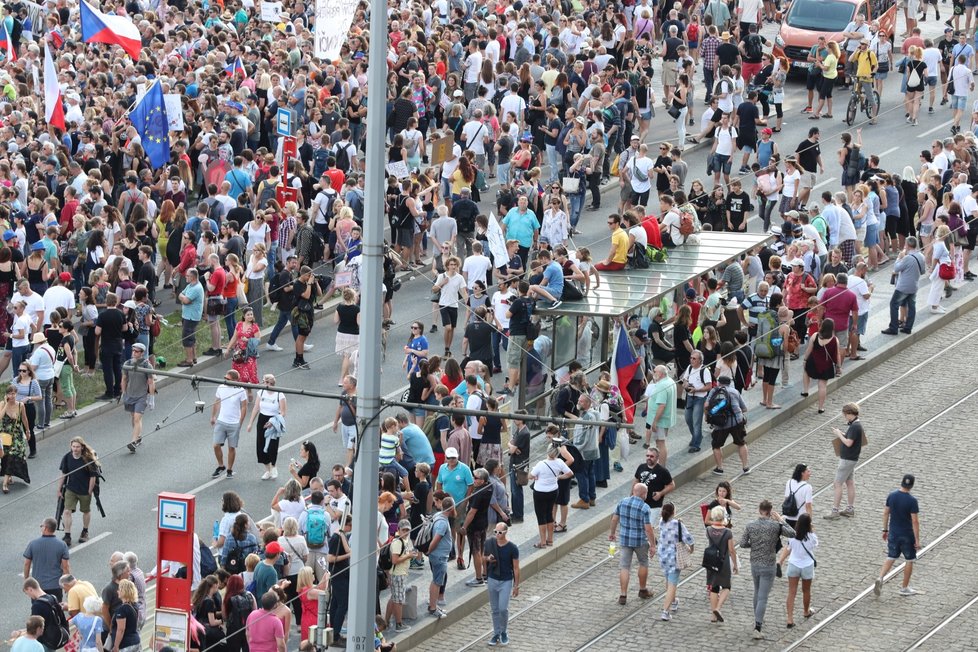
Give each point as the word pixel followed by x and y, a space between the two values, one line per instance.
pixel 14 435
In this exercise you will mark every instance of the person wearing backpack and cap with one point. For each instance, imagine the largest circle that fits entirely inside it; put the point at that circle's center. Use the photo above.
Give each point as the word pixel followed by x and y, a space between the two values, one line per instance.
pixel 726 413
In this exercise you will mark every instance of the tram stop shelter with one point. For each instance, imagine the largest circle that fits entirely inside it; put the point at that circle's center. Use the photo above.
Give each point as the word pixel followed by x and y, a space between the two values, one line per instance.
pixel 583 330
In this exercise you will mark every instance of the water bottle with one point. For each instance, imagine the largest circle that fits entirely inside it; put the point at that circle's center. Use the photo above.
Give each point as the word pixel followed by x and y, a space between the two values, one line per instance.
pixel 719 406
pixel 612 548
pixel 217 529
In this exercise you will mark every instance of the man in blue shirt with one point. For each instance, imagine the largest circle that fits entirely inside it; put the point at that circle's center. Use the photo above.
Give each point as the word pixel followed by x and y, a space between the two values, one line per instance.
pixel 551 286
pixel 901 531
pixel 239 179
pixel 521 224
pixel 415 443
pixel 438 550
pixel 191 312
pixel 636 537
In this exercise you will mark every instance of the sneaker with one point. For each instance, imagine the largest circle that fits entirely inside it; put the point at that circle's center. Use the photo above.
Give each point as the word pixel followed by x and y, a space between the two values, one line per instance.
pixel 756 634
pixel 67 539
pixel 555 304
pixel 878 586
pixel 938 310
pixel 273 347
pixel 308 347
pixel 476 581
pixel 132 447
pixel 831 516
pixel 618 467
pixel 674 607
pixel 907 591
pixel 746 470
pixel 274 473
pixel 230 473
pixel 718 471
pixel 441 602
pixel 217 472
pixel 807 109
pixel 666 615
pixel 504 638
pixel 266 475
pixel 433 329
pixel 930 110
pixel 401 627
pixel 84 536
pixel 848 512
pixel 437 613
pixel 494 641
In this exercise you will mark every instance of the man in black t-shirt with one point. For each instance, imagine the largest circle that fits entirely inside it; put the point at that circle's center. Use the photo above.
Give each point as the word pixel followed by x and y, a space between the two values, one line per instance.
pixel 519 459
pixel 657 480
pixel 747 118
pixel 808 154
pixel 519 313
pixel 109 327
pixel 476 523
pixel 78 476
pixel 477 340
pixel 338 557
pixel 848 448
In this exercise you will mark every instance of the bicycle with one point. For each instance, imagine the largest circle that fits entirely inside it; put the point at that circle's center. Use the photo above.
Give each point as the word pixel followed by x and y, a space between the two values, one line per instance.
pixel 858 101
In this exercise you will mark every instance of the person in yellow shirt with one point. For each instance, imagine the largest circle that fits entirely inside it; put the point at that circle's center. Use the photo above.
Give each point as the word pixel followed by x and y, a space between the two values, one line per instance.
pixel 865 64
pixel 619 247
pixel 829 66
pixel 76 591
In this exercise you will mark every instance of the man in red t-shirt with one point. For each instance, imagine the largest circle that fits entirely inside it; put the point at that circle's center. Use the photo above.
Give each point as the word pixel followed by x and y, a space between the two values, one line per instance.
pixel 651 226
pixel 214 281
pixel 336 176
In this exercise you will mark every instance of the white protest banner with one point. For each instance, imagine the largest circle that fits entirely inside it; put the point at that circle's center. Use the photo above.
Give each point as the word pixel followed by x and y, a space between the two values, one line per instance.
pixel 398 169
pixel 333 20
pixel 271 12
pixel 497 242
pixel 174 110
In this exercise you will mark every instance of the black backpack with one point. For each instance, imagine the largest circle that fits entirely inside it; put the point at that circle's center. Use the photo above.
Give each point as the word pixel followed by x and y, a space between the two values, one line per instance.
pixel 235 563
pixel 239 608
pixel 318 250
pixel 714 555
pixel 385 559
pixel 789 507
pixel 719 408
pixel 753 47
pixel 342 155
pixel 208 565
pixel 55 635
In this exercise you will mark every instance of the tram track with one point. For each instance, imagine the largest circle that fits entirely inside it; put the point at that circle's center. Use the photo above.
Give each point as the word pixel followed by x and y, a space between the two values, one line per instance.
pixel 769 460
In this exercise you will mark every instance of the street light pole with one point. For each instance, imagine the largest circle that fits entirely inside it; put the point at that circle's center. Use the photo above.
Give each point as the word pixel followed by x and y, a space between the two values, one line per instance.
pixel 363 562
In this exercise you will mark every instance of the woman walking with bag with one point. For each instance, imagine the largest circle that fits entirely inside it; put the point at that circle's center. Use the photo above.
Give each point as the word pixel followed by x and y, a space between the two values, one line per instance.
pixel 270 405
pixel 800 553
pixel 942 268
pixel 719 562
pixel 674 549
pixel 243 348
pixel 823 360
pixel 14 433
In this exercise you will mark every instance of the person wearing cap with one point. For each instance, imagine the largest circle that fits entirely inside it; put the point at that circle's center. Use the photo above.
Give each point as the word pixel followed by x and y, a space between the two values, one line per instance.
pixel 402 553
pixel 864 64
pixel 961 85
pixel 137 387
pixel 438 552
pixel 58 296
pixel 901 532
pixel 266 576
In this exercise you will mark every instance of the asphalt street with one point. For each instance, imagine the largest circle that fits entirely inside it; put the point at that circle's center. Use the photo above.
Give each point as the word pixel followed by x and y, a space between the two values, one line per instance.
pixel 176 453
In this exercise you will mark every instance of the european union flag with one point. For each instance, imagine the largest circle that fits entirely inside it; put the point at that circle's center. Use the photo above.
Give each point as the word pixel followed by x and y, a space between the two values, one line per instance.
pixel 149 119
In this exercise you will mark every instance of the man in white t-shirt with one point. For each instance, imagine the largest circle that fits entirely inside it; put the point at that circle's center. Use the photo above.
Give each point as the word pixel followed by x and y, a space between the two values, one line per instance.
pixel 500 307
pixel 34 301
pixel 723 148
pixel 932 57
pixel 475 135
pixel 471 67
pixel 476 267
pixel 59 296
pixel 448 167
pixel 639 171
pixel 862 287
pixel 962 84
pixel 513 103
pixel 230 408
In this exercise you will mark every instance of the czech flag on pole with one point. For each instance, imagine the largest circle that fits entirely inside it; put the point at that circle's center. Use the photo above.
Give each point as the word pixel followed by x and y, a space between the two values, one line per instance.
pixel 235 67
pixel 54 111
pixel 624 366
pixel 107 28
pixel 7 44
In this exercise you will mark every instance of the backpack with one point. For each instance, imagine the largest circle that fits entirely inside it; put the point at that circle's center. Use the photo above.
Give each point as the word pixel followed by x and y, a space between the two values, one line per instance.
pixel 714 555
pixel 55 635
pixel 235 563
pixel 425 533
pixel 767 344
pixel 430 427
pixel 342 155
pixel 789 507
pixel 719 408
pixel 718 89
pixel 753 47
pixel 239 608
pixel 318 249
pixel 266 192
pixel 327 211
pixel 208 565
pixel 913 79
pixel 319 158
pixel 687 221
pixel 316 527
pixel 214 212
pixel 385 558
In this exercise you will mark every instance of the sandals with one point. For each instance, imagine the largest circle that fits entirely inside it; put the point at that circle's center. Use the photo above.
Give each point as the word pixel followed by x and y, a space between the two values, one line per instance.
pixel 560 528
pixel 539 545
pixel 460 563
pixel 718 616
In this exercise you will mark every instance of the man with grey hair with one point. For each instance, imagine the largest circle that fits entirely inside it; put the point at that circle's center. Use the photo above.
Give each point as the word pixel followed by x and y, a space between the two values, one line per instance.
pixel 76 592
pixel 907 271
pixel 46 559
pixel 660 410
pixel 110 594
pixel 586 441
pixel 138 578
pixel 438 549
pixel 847 230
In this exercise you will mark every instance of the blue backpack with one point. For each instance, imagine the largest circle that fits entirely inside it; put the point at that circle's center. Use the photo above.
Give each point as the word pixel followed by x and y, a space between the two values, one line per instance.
pixel 316 527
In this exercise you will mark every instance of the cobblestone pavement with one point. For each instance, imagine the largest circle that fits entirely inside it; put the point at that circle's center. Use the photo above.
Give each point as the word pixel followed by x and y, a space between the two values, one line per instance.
pixel 959 634
pixel 851 550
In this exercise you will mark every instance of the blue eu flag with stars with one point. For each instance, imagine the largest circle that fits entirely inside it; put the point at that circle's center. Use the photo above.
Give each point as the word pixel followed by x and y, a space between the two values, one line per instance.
pixel 149 119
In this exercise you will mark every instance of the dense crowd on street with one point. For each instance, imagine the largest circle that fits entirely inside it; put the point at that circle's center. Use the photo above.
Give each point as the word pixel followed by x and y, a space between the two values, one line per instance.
pixel 531 110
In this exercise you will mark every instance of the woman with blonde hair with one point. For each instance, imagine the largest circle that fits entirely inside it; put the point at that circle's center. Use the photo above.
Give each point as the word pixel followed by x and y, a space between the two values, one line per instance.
pixel 125 631
pixel 309 592
pixel 255 280
pixel 829 67
pixel 718 575
pixel 942 267
pixel 294 544
pixel 916 82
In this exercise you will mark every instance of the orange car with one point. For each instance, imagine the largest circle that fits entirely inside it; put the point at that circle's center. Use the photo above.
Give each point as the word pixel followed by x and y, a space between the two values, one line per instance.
pixel 805 20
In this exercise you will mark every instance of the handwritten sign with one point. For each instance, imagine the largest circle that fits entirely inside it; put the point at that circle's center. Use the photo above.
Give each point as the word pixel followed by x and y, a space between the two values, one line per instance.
pixel 398 169
pixel 271 12
pixel 441 149
pixel 174 110
pixel 333 20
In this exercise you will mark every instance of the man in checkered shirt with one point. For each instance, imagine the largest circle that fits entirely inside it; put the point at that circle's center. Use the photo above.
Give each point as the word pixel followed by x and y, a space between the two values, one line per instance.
pixel 635 537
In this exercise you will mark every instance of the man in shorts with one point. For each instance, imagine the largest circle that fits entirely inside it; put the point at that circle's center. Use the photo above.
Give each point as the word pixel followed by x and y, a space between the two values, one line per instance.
pixel 901 531
pixel 77 483
pixel 735 425
pixel 808 154
pixel 438 550
pixel 636 538
pixel 230 408
pixel 661 412
pixel 848 448
pixel 136 389
pixel 402 553
pixel 476 522
pixel 519 313
pixel 346 417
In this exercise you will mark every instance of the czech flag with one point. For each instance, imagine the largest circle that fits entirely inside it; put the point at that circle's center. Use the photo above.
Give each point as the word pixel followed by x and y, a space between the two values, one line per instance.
pixel 235 67
pixel 54 111
pixel 624 366
pixel 7 44
pixel 107 28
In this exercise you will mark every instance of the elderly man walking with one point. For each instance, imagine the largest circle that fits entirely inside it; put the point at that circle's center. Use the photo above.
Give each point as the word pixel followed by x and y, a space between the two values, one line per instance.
pixel 631 524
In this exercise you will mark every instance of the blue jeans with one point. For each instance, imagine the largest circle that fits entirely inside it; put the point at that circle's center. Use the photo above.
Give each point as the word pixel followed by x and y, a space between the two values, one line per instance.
pixel 17 355
pixel 46 407
pixel 272 257
pixel 586 489
pixel 283 319
pixel 694 419
pixel 603 471
pixel 230 310
pixel 763 581
pixel 576 206
pixel 553 160
pixel 499 340
pixel 908 299
pixel 515 495
pixel 499 594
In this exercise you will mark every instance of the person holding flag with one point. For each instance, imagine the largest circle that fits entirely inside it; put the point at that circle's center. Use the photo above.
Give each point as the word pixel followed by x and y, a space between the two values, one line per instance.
pixel 149 119
pixel 54 111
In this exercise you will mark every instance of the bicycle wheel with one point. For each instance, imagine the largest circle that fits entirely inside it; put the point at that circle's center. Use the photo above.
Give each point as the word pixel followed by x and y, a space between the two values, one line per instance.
pixel 868 109
pixel 851 109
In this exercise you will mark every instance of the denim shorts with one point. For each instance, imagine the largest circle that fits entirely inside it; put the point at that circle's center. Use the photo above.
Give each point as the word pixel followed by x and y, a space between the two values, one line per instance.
pixel 896 546
pixel 723 163
pixel 672 577
pixel 861 323
pixel 439 569
pixel 959 102
pixel 805 573
pixel 931 81
pixel 349 436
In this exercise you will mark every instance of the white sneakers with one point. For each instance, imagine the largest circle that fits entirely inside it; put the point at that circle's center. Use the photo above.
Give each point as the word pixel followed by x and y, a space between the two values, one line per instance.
pixel 908 591
pixel 270 475
pixel 939 310
pixel 272 347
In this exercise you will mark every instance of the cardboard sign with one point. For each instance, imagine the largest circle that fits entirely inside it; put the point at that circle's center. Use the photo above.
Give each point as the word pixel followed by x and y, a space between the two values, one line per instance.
pixel 271 12
pixel 174 110
pixel 398 169
pixel 441 149
pixel 333 20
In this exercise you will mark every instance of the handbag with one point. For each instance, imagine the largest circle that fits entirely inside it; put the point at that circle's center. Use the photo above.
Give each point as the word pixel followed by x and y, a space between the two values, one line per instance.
pixel 571 185
pixel 155 328
pixel 6 439
pixel 522 475
pixel 809 553
pixel 683 557
pixel 946 271
pixel 673 111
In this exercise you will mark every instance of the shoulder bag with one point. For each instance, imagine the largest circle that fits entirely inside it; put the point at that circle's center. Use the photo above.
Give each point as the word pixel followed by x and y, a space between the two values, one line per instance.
pixel 683 556
pixel 809 552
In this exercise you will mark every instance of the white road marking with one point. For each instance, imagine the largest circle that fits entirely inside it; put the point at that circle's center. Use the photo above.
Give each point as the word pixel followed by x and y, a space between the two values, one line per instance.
pixel 889 151
pixel 97 537
pixel 943 125
pixel 823 183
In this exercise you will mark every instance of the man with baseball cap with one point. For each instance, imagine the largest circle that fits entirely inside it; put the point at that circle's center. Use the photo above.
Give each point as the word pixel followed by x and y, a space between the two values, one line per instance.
pixel 901 531
pixel 59 295
pixel 137 387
